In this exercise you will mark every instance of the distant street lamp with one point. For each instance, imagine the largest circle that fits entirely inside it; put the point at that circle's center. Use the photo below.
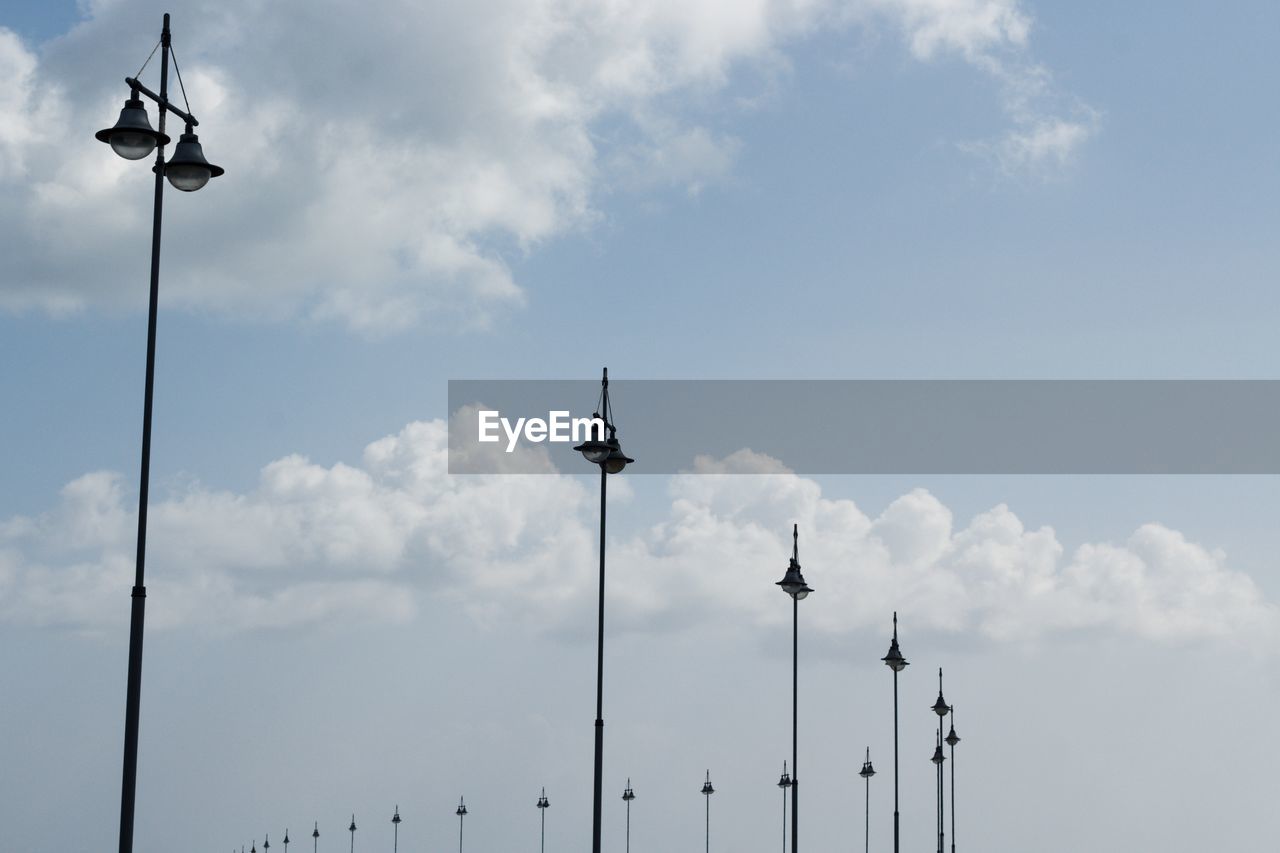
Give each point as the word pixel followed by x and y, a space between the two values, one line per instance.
pixel 542 809
pixel 866 773
pixel 352 830
pixel 707 791
pixel 286 840
pixel 896 662
pixel 940 708
pixel 607 453
pixel 315 835
pixel 952 740
pixel 395 822
pixel 784 782
pixel 133 138
pixel 266 843
pixel 627 796
pixel 793 584
pixel 461 813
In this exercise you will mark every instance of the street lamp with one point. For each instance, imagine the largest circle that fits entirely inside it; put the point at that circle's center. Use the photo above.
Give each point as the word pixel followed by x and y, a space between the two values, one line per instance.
pixel 896 662
pixel 784 782
pixel 707 791
pixel 793 584
pixel 542 809
pixel 866 773
pixel 461 813
pixel 607 453
pixel 352 830
pixel 940 708
pixel 952 740
pixel 266 842
pixel 395 822
pixel 133 138
pixel 315 836
pixel 627 796
pixel 286 840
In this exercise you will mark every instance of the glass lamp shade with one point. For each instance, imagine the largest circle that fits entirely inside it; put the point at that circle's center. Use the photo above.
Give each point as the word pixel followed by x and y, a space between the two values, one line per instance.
pixel 132 137
pixel 707 789
pixel 187 170
pixel 616 460
pixel 784 781
pixel 793 584
pixel 894 660
pixel 594 451
pixel 867 771
pixel 952 738
pixel 940 707
pixel 938 757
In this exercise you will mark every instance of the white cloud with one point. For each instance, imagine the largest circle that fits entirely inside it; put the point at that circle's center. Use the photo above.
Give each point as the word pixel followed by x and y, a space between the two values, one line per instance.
pixel 312 542
pixel 382 164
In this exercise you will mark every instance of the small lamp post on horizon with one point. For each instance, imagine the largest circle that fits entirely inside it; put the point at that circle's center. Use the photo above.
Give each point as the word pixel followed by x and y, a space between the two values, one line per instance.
pixel 607 453
pixel 627 796
pixel 896 662
pixel 543 805
pixel 784 782
pixel 352 830
pixel 707 791
pixel 315 835
pixel 395 822
pixel 133 138
pixel 940 708
pixel 461 813
pixel 286 839
pixel 952 740
pixel 866 773
pixel 793 584
pixel 266 842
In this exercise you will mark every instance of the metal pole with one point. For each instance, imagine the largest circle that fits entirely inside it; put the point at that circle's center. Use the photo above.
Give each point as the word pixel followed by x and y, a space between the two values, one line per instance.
pixel 133 698
pixel 543 847
pixel 867 813
pixel 628 826
pixel 708 799
pixel 895 754
pixel 784 814
pixel 460 818
pixel 953 792
pixel 599 763
pixel 795 706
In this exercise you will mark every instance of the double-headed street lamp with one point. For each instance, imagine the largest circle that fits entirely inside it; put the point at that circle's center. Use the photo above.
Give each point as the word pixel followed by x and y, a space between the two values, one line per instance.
pixel 607 453
pixel 707 791
pixel 286 840
pixel 352 830
pixel 784 782
pixel 315 835
pixel 543 805
pixel 896 662
pixel 133 138
pixel 866 773
pixel 395 822
pixel 793 584
pixel 461 813
pixel 940 708
pixel 627 796
pixel 952 740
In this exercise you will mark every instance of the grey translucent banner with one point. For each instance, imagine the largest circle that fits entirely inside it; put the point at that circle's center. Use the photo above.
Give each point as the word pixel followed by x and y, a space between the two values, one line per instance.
pixel 883 427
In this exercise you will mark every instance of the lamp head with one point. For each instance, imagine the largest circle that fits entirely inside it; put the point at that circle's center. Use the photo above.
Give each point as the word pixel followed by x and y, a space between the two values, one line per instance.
pixel 132 136
pixel 187 170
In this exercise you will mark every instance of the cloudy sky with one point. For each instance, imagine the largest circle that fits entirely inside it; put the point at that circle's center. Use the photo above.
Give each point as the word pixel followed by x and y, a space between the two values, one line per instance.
pixel 699 189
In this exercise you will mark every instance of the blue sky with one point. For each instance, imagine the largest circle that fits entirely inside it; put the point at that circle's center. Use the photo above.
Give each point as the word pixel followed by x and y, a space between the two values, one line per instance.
pixel 914 189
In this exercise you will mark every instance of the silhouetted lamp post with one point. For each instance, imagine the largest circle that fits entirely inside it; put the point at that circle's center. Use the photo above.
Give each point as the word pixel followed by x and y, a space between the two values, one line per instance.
pixel 866 773
pixel 952 740
pixel 461 813
pixel 784 782
pixel 707 791
pixel 543 805
pixel 607 453
pixel 395 822
pixel 896 662
pixel 266 843
pixel 286 840
pixel 315 835
pixel 627 796
pixel 133 138
pixel 793 584
pixel 940 708
pixel 352 830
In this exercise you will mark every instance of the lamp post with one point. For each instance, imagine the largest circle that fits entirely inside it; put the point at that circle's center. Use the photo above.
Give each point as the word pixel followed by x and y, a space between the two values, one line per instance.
pixel 793 584
pixel 952 740
pixel 266 842
pixel 607 453
pixel 315 836
pixel 395 822
pixel 286 840
pixel 940 708
pixel 784 782
pixel 707 791
pixel 461 813
pixel 133 138
pixel 866 773
pixel 542 808
pixel 627 796
pixel 352 830
pixel 896 662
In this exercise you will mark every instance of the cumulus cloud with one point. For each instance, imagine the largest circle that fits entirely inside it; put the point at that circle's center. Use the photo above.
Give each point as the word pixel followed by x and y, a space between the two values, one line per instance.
pixel 383 164
pixel 312 542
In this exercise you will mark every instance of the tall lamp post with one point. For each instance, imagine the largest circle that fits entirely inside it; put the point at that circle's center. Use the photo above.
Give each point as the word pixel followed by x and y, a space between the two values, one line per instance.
pixel 784 782
pixel 896 662
pixel 940 708
pixel 315 835
pixel 793 584
pixel 286 840
pixel 542 809
pixel 461 813
pixel 627 796
pixel 607 453
pixel 133 138
pixel 866 773
pixel 395 822
pixel 707 791
pixel 352 830
pixel 952 740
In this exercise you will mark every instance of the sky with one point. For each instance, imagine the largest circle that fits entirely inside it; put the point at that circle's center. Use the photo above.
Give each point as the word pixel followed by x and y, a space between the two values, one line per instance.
pixel 800 189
